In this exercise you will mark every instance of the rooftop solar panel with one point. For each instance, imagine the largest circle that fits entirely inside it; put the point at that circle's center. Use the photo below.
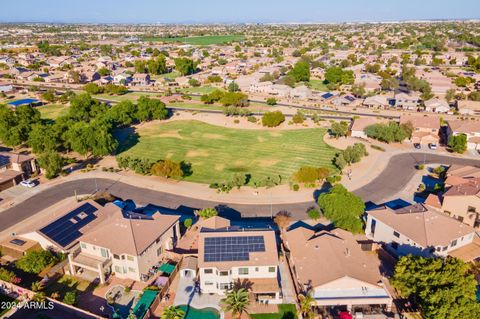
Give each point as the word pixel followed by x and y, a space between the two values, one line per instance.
pixel 66 229
pixel 235 248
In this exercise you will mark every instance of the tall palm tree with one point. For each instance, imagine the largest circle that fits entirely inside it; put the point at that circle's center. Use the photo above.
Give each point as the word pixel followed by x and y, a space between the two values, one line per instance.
pixel 306 303
pixel 236 302
pixel 173 312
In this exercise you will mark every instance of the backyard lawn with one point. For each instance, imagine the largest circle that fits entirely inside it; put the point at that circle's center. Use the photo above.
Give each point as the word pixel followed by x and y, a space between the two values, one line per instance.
pixel 287 311
pixel 202 40
pixel 318 85
pixel 52 111
pixel 217 154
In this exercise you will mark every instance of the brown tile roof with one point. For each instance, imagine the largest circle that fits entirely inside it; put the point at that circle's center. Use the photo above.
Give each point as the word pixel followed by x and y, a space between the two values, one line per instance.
pixel 267 258
pixel 434 201
pixel 467 188
pixel 128 236
pixel 323 257
pixel 466 126
pixel 16 157
pixel 463 171
pixel 361 123
pixel 430 121
pixel 9 175
pixel 425 226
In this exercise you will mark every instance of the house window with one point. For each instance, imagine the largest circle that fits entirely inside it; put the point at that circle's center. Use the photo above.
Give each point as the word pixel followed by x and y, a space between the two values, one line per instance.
pixel 130 269
pixel 208 271
pixel 256 269
pixel 208 283
pixel 225 286
pixel 118 269
pixel 272 269
pixel 104 252
pixel 159 251
pixel 84 246
pixel 444 248
pixel 116 256
pixel 243 271
pixel 130 258
pixel 224 273
pixel 396 234
pixel 471 209
pixel 454 243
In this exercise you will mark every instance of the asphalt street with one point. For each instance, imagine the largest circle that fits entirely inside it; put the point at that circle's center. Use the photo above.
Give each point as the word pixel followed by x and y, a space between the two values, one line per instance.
pixel 396 175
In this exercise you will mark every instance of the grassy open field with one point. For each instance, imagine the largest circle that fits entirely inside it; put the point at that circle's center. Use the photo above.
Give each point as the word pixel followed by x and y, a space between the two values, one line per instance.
pixel 318 85
pixel 202 40
pixel 218 153
pixel 52 111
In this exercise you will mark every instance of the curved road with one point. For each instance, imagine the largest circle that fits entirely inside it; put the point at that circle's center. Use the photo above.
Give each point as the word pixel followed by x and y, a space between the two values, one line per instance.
pixel 399 171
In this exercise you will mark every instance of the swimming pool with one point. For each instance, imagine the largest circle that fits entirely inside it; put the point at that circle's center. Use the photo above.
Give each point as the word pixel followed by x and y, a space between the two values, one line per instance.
pixel 205 313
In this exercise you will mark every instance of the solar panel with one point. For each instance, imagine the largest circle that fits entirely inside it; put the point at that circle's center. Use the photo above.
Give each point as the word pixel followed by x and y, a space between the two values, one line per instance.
pixel 66 229
pixel 17 242
pixel 235 248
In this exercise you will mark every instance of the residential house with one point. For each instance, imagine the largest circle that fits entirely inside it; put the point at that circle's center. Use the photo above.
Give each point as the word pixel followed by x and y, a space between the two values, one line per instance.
pixel 89 76
pixel 141 79
pixel 407 101
pixel 417 230
pixel 14 168
pixel 229 254
pixel 466 107
pixel 122 79
pixel 358 126
pixel 125 243
pixel 344 100
pixel 334 268
pixel 300 92
pixel 470 128
pixel 376 101
pixel 436 105
pixel 16 247
pixel 426 128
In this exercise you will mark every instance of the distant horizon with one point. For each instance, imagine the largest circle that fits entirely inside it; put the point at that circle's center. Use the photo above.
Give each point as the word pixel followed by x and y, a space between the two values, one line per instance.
pixel 246 12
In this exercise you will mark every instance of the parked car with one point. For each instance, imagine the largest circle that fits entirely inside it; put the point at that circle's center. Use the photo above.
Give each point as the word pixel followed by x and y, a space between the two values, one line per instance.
pixel 27 183
pixel 417 146
pixel 432 146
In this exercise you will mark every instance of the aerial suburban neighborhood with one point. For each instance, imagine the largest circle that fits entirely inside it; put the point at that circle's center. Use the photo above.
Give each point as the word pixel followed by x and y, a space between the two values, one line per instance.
pixel 252 161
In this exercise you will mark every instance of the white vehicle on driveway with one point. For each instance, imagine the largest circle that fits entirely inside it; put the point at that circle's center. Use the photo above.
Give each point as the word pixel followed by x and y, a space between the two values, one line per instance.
pixel 27 183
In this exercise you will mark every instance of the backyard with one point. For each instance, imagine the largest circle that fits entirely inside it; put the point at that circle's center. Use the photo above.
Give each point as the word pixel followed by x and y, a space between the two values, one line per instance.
pixel 287 311
pixel 201 40
pixel 217 154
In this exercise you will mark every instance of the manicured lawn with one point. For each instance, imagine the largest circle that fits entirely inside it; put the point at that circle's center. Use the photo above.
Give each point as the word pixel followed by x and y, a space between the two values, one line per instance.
pixel 52 111
pixel 318 85
pixel 199 90
pixel 218 153
pixel 5 299
pixel 287 311
pixel 202 40
pixel 132 96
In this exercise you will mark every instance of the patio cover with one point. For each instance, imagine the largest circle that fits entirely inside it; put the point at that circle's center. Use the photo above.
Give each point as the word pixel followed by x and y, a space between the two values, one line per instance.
pixel 144 303
pixel 167 268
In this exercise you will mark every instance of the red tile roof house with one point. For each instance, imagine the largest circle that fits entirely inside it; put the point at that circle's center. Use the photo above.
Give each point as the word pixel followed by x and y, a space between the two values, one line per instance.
pixel 336 270
pixel 471 128
pixel 417 230
pixel 426 128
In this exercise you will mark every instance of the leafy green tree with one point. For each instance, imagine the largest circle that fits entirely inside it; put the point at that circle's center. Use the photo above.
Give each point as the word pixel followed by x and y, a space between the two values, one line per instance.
pixel 306 305
pixel 458 143
pixel 236 302
pixel 389 132
pixel 36 261
pixel 194 82
pixel 314 214
pixel 343 208
pixel 93 88
pixel 185 66
pixel 49 96
pixel 42 138
pixel 51 162
pixel 273 119
pixel 300 71
pixel 335 76
pixel 443 287
pixel 207 213
pixel 309 174
pixel 123 113
pixel 140 66
pixel 233 87
pixel 450 95
pixel 338 129
pixel 70 298
pixel 234 98
pixel 212 97
pixel 10 134
pixel 167 168
pixel 272 101
pixel 151 109
pixel 173 312
pixel 353 154
pixel 157 66
pixel 340 161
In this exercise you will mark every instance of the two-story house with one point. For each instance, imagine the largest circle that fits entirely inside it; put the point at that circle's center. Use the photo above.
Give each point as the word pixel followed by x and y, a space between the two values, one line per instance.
pixel 417 230
pixel 470 128
pixel 426 129
pixel 141 79
pixel 407 101
pixel 335 269
pixel 125 243
pixel 231 255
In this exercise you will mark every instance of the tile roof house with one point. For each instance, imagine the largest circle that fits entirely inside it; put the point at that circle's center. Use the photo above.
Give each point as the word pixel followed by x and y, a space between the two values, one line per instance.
pixel 418 230
pixel 358 126
pixel 407 101
pixel 335 269
pixel 426 128
pixel 471 128
pixel 15 167
pixel 126 243
pixel 229 254
pixel 466 107
pixel 436 105
pixel 377 101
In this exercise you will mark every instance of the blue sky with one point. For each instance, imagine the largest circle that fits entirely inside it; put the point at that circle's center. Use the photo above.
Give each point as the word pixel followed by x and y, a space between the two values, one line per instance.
pixel 210 11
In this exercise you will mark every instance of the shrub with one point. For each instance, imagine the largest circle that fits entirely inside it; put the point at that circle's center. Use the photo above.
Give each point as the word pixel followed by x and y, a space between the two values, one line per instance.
pixel 70 298
pixel 309 174
pixel 207 213
pixel 298 118
pixel 236 121
pixel 295 187
pixel 271 101
pixel 273 119
pixel 252 119
pixel 334 179
pixel 167 168
pixel 313 214
pixel 6 275
pixel 188 223
pixel 420 166
pixel 36 261
pixel 138 165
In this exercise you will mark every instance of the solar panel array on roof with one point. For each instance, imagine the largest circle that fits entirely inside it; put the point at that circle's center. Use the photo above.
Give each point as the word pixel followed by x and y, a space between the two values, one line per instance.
pixel 236 248
pixel 66 229
pixel 4 160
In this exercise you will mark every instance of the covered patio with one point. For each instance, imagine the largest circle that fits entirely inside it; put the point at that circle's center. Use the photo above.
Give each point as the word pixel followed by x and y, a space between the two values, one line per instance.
pixel 82 264
pixel 266 290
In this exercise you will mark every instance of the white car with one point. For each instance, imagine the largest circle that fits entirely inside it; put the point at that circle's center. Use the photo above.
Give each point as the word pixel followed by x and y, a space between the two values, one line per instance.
pixel 28 184
pixel 432 146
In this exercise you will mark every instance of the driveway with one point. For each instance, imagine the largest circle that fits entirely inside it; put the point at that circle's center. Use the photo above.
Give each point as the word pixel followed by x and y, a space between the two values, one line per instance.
pixel 397 174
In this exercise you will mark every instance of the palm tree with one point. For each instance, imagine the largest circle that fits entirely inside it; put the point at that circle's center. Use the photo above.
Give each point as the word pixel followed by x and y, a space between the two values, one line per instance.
pixel 173 312
pixel 306 303
pixel 236 302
